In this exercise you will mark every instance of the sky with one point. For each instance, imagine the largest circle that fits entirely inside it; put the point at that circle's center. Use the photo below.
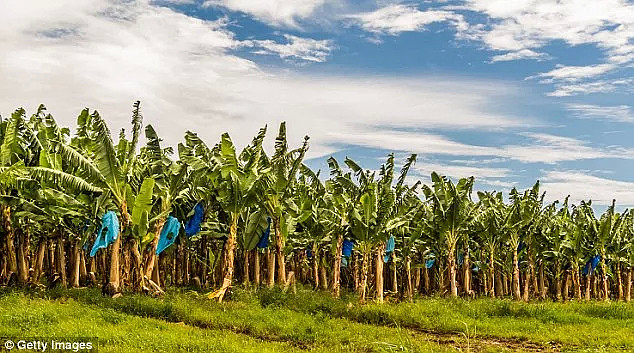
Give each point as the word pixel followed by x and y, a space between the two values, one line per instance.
pixel 509 92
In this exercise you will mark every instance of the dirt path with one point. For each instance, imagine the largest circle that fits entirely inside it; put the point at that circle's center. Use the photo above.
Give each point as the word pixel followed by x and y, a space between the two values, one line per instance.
pixel 465 343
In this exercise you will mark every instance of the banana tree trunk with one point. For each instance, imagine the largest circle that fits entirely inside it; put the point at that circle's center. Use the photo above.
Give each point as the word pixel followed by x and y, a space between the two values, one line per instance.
pixel 51 266
pixel 442 285
pixel 467 273
pixel 39 262
pixel 542 281
pixel 270 267
pixel 74 278
pixel 492 272
pixel 408 271
pixel 23 266
pixel 566 285
pixel 417 276
pixel 356 273
pixel 245 269
pixel 499 284
pixel 526 291
pixel 113 285
pixel 114 277
pixel 3 262
pixel 126 265
pixel 323 273
pixel 588 287
pixel 12 262
pixel 619 280
pixel 533 272
pixel 576 281
pixel 364 277
pixel 231 249
pixel 137 266
pixel 61 261
pixel 394 274
pixel 186 267
pixel 256 267
pixel 336 268
pixel 83 271
pixel 156 274
pixel 604 275
pixel 151 249
pixel 517 295
pixel 279 251
pixel 628 290
pixel 451 263
pixel 315 267
pixel 379 273
pixel 558 279
pixel 426 280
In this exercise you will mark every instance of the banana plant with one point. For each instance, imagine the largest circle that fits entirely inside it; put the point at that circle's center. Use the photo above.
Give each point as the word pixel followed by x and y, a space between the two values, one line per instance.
pixel 520 223
pixel 96 161
pixel 453 213
pixel 605 231
pixel 490 234
pixel 277 188
pixel 236 183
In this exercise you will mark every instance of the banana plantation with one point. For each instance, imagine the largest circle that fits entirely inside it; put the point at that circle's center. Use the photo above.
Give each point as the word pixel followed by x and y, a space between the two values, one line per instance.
pixel 89 208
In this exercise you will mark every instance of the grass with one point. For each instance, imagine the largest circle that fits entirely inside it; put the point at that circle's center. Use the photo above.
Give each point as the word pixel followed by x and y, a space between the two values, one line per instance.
pixel 274 321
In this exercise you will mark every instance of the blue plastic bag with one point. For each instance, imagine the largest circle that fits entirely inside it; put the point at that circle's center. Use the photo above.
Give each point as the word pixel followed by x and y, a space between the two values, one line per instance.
pixel 192 226
pixel 346 252
pixel 108 232
pixel 591 265
pixel 264 239
pixel 347 248
pixel 430 263
pixel 388 249
pixel 170 231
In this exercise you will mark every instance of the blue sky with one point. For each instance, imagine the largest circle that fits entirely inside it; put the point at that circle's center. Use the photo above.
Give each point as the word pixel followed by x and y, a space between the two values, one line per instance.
pixel 509 92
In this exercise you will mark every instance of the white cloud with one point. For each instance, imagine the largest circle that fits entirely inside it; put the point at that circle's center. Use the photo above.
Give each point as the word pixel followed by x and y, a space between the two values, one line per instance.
pixel 519 55
pixel 524 29
pixel 532 24
pixel 541 148
pixel 105 55
pixel 598 86
pixel 619 113
pixel 551 149
pixel 397 18
pixel 296 48
pixel 583 186
pixel 275 12
pixel 574 73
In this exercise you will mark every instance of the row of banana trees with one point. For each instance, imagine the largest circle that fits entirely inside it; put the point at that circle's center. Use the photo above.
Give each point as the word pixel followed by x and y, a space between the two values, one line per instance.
pixel 84 210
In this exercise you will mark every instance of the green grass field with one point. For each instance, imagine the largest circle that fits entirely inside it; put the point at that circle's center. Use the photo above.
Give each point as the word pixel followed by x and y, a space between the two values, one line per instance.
pixel 273 321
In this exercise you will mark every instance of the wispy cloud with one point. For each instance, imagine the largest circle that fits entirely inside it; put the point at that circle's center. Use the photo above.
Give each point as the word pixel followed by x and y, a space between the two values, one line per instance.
pixel 539 148
pixel 520 55
pixel 274 12
pixel 582 185
pixel 574 73
pixel 598 86
pixel 618 113
pixel 297 48
pixel 397 18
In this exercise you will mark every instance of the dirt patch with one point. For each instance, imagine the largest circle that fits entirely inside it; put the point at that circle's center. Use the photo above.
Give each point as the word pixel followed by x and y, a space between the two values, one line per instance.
pixel 466 343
